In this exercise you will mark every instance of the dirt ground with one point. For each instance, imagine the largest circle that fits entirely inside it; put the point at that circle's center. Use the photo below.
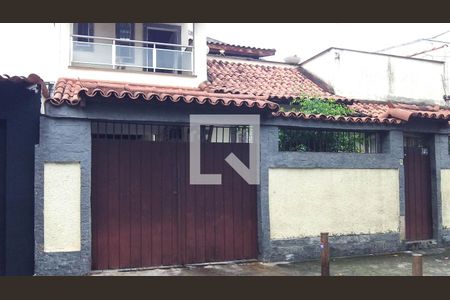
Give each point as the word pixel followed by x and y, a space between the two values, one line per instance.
pixel 435 263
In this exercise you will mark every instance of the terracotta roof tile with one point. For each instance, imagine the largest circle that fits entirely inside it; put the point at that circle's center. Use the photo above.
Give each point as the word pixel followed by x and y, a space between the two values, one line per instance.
pixel 230 49
pixel 377 113
pixel 400 111
pixel 260 80
pixel 30 80
pixel 366 108
pixel 344 119
pixel 71 91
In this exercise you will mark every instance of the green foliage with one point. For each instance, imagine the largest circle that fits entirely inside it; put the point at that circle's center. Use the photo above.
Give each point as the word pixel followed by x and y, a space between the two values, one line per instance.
pixel 318 140
pixel 317 106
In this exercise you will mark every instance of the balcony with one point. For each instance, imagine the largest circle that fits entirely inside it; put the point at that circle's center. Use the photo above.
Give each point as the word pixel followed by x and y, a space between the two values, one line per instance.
pixel 131 55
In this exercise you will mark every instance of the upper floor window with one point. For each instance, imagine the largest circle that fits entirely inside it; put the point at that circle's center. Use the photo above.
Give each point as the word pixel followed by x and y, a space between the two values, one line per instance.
pixel 319 140
pixel 162 33
pixel 166 40
pixel 125 50
pixel 125 31
pixel 86 29
pixel 83 43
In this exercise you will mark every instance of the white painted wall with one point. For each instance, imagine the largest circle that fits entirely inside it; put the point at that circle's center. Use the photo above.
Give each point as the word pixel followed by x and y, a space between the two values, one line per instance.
pixel 44 49
pixel 440 54
pixel 305 202
pixel 62 192
pixel 371 76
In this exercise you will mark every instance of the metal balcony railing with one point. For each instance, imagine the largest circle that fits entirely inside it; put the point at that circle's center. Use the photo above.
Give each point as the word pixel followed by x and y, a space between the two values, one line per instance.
pixel 131 54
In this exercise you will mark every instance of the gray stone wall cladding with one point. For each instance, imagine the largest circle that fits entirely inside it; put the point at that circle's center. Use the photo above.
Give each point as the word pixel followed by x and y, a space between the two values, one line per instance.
pixel 63 140
pixel 346 245
pixel 445 234
pixel 65 136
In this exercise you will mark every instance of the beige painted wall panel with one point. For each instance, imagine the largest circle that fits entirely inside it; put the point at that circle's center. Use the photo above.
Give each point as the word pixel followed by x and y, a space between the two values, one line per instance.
pixel 305 202
pixel 62 188
pixel 445 197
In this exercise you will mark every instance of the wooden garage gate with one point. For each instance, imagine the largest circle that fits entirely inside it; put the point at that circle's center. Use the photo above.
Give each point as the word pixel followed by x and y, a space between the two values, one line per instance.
pixel 145 212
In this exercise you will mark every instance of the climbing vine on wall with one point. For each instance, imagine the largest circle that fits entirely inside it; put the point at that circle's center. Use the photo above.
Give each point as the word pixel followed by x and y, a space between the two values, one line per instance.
pixel 317 106
pixel 318 140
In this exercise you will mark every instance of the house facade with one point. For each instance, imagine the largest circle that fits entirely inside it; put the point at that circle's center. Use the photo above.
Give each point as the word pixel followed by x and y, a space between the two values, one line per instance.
pixel 111 178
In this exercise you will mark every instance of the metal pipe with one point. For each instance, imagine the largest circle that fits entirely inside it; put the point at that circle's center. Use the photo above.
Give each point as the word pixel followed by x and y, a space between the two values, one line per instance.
pixel 324 254
pixel 113 56
pixel 154 58
pixel 71 49
pixel 417 264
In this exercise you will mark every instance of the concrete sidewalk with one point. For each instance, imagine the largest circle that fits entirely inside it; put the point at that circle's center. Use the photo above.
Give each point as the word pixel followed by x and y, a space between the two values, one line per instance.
pixel 436 263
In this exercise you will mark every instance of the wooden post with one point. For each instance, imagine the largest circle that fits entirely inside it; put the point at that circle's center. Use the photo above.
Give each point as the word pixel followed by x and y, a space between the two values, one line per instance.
pixel 324 254
pixel 417 263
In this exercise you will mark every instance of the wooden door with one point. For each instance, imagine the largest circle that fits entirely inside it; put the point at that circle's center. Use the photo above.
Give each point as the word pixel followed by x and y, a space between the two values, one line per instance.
pixel 417 166
pixel 145 213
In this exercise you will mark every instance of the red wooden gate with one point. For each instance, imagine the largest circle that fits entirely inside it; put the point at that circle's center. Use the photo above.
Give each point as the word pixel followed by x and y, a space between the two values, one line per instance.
pixel 418 216
pixel 145 212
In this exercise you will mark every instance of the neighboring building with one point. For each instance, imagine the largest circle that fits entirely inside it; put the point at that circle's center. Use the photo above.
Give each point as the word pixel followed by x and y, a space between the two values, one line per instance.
pixel 433 48
pixel 112 184
pixel 20 101
pixel 217 47
pixel 380 77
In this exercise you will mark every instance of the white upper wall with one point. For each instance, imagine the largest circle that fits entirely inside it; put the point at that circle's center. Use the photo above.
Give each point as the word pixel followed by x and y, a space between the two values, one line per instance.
pixel 436 49
pixel 44 49
pixel 372 76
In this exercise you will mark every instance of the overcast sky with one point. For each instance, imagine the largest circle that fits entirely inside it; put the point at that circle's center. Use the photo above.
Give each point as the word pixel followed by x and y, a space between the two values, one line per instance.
pixel 308 39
